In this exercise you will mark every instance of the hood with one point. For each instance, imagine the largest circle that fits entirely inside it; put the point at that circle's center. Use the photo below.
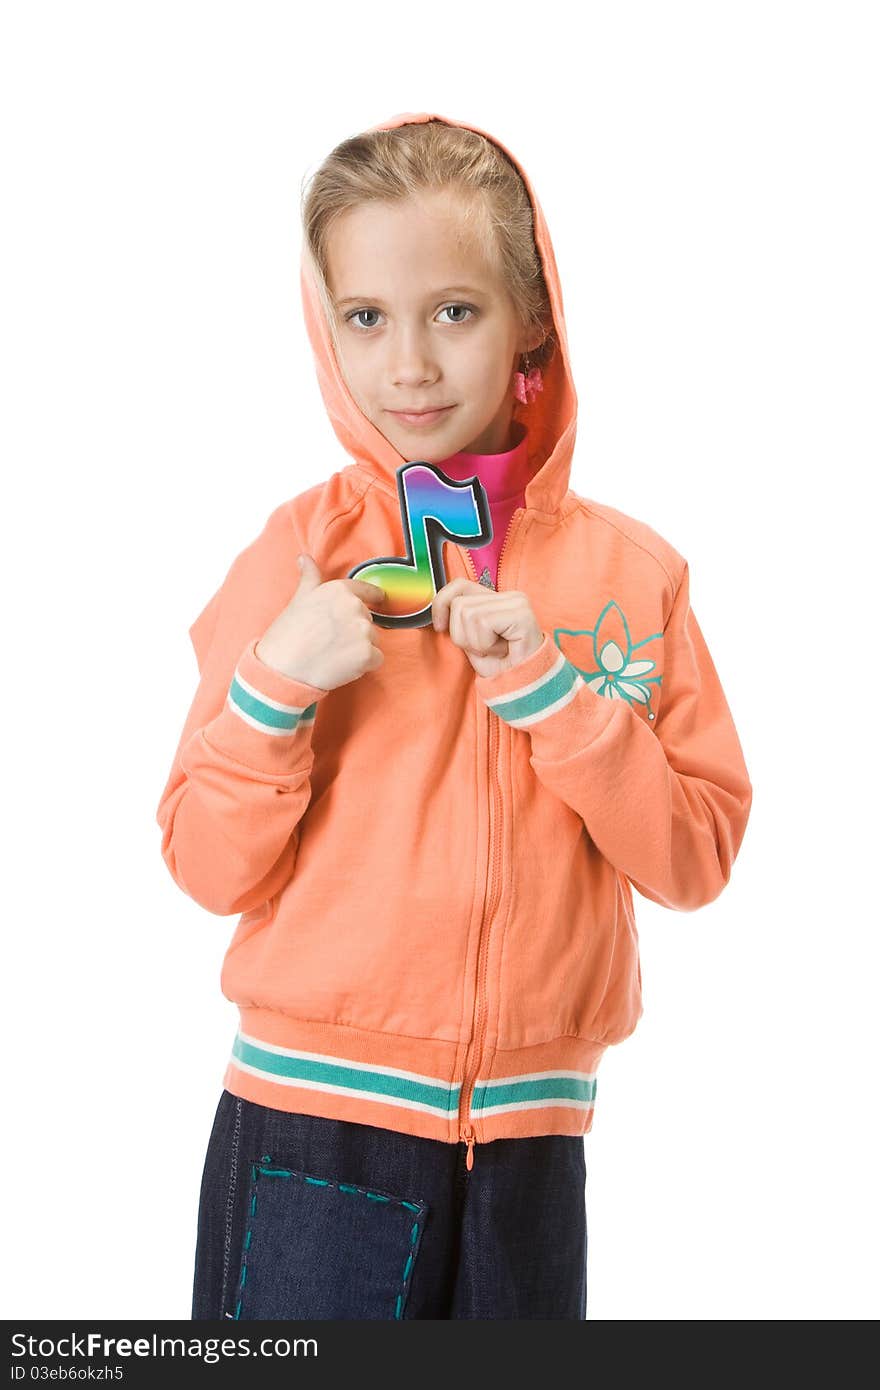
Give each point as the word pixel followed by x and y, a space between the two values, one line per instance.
pixel 551 418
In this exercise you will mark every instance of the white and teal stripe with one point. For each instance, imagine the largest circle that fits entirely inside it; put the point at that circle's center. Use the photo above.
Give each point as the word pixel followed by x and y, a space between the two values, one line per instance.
pixel 265 714
pixel 535 1090
pixel 316 1071
pixel 540 698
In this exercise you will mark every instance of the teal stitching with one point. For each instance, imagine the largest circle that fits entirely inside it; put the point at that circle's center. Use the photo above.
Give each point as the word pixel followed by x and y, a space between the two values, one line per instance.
pixel 256 1171
pixel 407 1268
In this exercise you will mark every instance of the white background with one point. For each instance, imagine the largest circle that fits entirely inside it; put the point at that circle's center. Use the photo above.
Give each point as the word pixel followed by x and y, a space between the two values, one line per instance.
pixel 709 175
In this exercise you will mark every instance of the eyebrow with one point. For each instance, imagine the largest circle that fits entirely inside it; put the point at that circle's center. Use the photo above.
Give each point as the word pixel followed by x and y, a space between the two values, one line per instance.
pixel 431 294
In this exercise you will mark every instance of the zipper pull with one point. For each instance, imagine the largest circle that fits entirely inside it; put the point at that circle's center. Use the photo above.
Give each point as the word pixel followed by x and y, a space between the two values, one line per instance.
pixel 470 1141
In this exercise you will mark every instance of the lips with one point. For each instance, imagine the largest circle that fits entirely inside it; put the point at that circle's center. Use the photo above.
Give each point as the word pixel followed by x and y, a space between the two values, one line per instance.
pixel 421 417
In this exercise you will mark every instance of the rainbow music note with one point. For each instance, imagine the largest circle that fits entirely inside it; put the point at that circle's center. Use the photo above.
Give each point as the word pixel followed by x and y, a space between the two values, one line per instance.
pixel 433 508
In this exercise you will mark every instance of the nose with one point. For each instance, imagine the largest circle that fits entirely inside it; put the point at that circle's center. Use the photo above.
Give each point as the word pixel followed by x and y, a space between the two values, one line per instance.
pixel 412 362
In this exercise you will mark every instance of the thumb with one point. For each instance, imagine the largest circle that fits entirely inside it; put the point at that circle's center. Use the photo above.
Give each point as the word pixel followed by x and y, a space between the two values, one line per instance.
pixel 310 573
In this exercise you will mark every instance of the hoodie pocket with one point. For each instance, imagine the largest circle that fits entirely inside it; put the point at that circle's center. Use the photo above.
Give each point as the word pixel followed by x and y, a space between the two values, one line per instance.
pixel 315 1247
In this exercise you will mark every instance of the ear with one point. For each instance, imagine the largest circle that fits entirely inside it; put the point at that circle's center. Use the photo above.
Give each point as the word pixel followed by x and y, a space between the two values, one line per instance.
pixel 531 342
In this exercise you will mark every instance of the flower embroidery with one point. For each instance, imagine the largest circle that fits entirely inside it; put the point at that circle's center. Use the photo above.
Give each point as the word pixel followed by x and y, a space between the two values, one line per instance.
pixel 618 676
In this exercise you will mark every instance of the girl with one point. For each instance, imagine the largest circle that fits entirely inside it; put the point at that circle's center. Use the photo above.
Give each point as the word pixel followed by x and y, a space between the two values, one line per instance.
pixel 432 827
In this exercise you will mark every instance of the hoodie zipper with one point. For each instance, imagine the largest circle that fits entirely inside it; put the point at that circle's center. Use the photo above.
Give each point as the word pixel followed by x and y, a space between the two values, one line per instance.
pixel 478 1026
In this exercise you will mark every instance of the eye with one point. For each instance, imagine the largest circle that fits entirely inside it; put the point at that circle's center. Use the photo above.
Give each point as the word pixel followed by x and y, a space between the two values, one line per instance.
pixel 356 314
pixel 449 307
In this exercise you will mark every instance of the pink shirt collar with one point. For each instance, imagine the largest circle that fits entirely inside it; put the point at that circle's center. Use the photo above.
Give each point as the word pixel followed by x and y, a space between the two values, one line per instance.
pixel 504 476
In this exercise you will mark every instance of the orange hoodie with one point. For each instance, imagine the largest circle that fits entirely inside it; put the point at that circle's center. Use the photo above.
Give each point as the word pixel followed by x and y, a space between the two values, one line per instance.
pixel 434 869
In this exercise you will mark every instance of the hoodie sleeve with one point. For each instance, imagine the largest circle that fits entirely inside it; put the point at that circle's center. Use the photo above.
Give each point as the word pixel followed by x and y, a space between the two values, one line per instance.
pixel 239 783
pixel 666 804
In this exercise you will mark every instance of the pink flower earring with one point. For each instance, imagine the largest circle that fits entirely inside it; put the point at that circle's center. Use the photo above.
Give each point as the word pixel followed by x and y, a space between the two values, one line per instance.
pixel 527 384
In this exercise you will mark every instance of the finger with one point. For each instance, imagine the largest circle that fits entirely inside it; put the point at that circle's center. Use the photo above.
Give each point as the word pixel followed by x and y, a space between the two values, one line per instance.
pixel 459 627
pixel 472 621
pixel 484 647
pixel 484 628
pixel 444 598
pixel 481 635
pixel 363 589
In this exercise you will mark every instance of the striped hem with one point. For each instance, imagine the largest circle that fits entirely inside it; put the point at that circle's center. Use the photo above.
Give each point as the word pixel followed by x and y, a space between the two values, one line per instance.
pixel 340 1076
pixel 505 1094
pixel 261 712
pixel 358 1083
pixel 535 700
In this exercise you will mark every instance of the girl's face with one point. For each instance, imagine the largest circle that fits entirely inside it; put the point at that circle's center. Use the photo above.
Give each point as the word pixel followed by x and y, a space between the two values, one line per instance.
pixel 423 322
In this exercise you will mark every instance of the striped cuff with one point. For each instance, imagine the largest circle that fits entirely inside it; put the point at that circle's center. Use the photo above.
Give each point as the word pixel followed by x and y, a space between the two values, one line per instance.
pixel 530 692
pixel 268 718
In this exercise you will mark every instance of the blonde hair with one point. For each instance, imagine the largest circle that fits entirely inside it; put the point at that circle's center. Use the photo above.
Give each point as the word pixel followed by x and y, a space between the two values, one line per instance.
pixel 406 160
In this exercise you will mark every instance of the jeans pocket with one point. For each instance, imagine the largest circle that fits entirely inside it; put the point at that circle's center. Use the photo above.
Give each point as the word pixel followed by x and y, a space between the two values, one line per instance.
pixel 315 1247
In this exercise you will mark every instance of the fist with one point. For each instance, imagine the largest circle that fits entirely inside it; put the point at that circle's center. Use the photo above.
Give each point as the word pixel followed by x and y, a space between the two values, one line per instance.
pixel 325 636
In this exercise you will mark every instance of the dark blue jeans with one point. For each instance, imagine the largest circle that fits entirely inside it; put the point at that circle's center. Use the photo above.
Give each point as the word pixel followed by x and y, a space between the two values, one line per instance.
pixel 306 1217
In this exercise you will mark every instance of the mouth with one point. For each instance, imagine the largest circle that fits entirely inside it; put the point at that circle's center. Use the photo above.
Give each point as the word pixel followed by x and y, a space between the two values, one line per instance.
pixel 419 419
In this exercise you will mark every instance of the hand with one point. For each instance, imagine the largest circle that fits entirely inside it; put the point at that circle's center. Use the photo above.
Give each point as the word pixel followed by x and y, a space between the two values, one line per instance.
pixel 325 636
pixel 496 631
